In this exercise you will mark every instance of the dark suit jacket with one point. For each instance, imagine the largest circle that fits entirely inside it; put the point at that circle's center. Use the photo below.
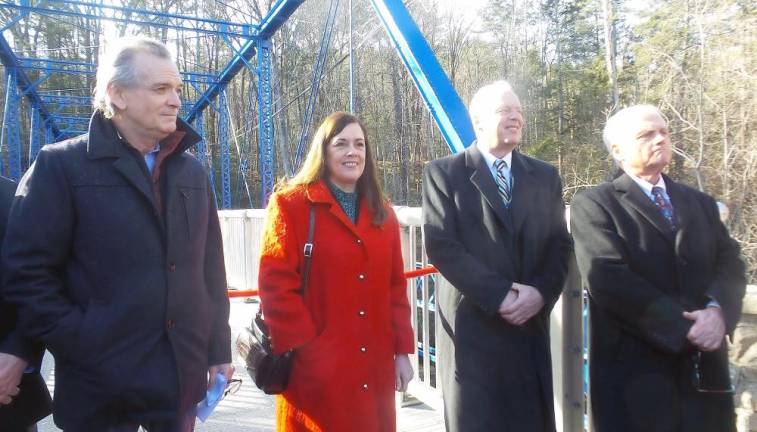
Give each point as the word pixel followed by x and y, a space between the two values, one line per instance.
pixel 641 277
pixel 131 302
pixel 495 376
pixel 33 402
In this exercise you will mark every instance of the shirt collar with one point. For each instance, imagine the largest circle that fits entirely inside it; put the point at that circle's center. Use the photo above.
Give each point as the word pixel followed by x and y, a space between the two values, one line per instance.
pixel 490 158
pixel 646 186
pixel 155 149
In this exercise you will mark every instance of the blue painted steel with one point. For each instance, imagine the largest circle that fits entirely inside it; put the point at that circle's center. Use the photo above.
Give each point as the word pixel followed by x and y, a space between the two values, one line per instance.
pixel 50 66
pixel 243 186
pixel 49 135
pixel 230 71
pixel 129 15
pixel 278 14
pixel 223 140
pixel 203 155
pixel 10 61
pixel 35 129
pixel 11 134
pixel 71 126
pixel 76 101
pixel 276 17
pixel 440 96
pixel 320 62
pixel 200 152
pixel 266 155
pixel 13 21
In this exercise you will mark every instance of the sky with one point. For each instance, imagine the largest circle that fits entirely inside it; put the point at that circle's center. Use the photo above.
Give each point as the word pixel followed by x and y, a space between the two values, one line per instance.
pixel 470 10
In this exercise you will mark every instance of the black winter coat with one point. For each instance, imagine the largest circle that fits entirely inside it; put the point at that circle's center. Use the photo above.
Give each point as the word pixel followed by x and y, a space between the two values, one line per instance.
pixel 495 376
pixel 130 300
pixel 641 277
pixel 33 402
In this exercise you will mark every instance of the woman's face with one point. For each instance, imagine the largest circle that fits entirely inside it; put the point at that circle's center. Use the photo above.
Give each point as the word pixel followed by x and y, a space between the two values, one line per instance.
pixel 345 157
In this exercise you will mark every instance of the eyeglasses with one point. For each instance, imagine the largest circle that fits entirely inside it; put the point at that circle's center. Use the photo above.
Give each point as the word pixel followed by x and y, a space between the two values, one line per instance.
pixel 232 387
pixel 700 383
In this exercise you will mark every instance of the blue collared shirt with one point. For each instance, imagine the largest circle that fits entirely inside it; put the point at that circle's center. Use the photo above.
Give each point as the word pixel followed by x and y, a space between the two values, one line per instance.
pixel 646 187
pixel 490 159
pixel 150 158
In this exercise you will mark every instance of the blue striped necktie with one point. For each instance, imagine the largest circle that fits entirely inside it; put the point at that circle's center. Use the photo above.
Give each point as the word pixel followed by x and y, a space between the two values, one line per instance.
pixel 503 184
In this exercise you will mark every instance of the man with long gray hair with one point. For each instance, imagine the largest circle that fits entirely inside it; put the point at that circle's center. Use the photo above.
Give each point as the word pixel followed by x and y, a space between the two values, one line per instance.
pixel 113 256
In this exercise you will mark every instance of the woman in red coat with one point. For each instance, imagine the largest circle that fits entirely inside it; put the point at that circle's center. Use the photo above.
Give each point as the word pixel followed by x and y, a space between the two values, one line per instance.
pixel 351 332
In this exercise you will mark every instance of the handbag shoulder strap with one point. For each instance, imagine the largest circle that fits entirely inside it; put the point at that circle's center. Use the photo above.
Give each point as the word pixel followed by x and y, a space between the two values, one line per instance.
pixel 307 251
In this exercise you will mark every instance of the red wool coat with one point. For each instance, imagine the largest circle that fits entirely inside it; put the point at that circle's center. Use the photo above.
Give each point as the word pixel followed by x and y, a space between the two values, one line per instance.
pixel 354 318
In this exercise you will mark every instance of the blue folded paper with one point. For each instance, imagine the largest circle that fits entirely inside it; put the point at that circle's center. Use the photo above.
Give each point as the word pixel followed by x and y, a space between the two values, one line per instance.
pixel 212 397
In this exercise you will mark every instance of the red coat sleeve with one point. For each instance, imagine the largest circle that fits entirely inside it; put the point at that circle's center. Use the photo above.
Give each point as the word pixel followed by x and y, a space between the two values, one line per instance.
pixel 403 331
pixel 289 321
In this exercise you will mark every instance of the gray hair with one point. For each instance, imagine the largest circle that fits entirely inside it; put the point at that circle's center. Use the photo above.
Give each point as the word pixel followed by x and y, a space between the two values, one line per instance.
pixel 486 96
pixel 616 128
pixel 117 68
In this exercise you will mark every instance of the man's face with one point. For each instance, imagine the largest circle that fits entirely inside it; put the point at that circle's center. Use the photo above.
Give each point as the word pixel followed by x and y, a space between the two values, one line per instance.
pixel 149 109
pixel 502 121
pixel 646 148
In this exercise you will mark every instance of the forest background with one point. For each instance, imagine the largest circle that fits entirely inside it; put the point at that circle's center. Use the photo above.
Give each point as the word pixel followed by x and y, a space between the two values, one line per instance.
pixel 573 62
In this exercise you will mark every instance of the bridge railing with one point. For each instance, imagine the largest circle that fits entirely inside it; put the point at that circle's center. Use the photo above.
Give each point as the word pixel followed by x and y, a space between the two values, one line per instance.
pixel 242 229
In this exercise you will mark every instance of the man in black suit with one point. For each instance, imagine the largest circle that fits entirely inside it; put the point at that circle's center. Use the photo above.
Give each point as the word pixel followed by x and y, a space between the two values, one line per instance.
pixel 494 223
pixel 666 284
pixel 24 399
pixel 113 256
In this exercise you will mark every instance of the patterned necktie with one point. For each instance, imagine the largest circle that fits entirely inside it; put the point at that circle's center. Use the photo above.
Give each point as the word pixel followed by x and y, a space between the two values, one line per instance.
pixel 666 208
pixel 503 185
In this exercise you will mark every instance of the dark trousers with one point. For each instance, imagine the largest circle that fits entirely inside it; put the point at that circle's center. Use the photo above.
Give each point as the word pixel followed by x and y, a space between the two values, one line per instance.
pixel 185 423
pixel 32 428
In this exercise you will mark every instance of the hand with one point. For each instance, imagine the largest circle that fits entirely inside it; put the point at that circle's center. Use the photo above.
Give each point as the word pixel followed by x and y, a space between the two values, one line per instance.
pixel 527 304
pixel 510 298
pixel 403 371
pixel 11 370
pixel 708 330
pixel 227 369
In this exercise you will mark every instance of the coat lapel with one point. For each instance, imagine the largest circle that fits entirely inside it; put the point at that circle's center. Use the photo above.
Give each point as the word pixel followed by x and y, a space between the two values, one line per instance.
pixel 524 189
pixel 103 142
pixel 681 212
pixel 482 179
pixel 319 193
pixel 634 197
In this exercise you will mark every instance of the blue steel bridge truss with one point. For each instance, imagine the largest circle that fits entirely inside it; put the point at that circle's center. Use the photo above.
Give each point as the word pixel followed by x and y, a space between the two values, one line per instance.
pixel 56 115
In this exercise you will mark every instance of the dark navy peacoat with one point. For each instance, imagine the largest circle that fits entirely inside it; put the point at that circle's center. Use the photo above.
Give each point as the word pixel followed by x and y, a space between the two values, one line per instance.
pixel 131 300
pixel 33 401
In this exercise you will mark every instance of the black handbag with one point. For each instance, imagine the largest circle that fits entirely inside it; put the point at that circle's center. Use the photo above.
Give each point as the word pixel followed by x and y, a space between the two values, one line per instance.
pixel 269 371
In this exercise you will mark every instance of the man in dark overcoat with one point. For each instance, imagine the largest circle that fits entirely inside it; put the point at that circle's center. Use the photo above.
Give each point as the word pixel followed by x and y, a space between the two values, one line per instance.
pixel 666 283
pixel 494 223
pixel 24 398
pixel 113 256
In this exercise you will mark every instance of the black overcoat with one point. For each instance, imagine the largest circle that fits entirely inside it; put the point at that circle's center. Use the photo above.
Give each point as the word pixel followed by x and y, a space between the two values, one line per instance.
pixel 130 300
pixel 33 401
pixel 641 277
pixel 495 376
